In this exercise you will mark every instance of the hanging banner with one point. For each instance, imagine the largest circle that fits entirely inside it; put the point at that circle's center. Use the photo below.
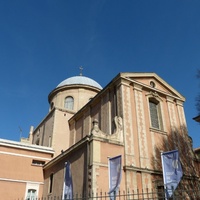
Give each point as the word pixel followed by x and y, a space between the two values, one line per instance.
pixel 68 185
pixel 114 174
pixel 172 171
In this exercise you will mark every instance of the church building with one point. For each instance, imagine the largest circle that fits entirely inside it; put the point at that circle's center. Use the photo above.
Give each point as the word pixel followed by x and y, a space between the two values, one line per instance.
pixel 85 126
pixel 129 117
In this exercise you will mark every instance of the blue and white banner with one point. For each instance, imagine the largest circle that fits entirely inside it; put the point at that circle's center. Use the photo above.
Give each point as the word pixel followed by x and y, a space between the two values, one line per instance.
pixel 172 171
pixel 114 174
pixel 68 185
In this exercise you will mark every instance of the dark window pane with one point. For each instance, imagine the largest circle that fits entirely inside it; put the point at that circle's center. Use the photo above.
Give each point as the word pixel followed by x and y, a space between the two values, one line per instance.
pixel 154 114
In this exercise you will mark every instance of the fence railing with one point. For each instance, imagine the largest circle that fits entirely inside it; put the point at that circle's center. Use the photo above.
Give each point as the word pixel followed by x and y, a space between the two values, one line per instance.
pixel 145 194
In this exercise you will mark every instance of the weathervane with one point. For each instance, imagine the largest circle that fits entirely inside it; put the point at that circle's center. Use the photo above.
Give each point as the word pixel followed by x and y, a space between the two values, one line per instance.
pixel 81 69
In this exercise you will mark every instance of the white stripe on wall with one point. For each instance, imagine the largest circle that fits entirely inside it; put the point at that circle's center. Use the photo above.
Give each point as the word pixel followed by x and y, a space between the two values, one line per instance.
pixel 20 181
pixel 23 155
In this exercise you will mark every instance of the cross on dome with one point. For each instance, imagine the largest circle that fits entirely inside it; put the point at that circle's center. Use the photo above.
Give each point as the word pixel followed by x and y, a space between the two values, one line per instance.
pixel 81 69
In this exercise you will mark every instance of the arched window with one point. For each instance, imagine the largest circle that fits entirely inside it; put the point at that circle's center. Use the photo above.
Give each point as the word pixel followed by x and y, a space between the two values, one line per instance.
pixel 155 114
pixel 69 103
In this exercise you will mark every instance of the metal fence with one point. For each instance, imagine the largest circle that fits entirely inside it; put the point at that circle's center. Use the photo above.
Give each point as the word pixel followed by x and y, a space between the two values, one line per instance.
pixel 145 194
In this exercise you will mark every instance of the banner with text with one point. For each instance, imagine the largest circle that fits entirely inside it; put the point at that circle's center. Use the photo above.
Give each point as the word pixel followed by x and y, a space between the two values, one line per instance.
pixel 114 175
pixel 68 185
pixel 172 171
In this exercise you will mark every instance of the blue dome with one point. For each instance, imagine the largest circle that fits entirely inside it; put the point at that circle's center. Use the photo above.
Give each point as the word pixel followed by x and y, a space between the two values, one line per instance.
pixel 79 80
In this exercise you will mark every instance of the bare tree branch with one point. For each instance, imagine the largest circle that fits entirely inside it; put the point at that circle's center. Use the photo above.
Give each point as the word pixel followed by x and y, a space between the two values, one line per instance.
pixel 178 139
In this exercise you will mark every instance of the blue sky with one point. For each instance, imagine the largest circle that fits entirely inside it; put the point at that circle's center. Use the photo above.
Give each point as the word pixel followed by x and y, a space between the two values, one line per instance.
pixel 44 42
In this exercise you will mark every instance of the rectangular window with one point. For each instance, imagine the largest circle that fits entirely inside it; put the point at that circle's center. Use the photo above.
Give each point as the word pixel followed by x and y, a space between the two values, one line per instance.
pixel 155 114
pixel 51 183
pixel 31 191
pixel 31 194
pixel 38 162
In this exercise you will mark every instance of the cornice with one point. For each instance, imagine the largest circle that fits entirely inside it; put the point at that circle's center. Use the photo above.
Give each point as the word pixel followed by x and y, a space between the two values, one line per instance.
pixel 31 147
pixel 140 169
pixel 65 153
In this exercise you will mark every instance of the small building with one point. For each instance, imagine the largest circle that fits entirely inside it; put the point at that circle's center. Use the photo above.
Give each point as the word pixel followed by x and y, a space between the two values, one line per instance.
pixel 22 162
pixel 21 169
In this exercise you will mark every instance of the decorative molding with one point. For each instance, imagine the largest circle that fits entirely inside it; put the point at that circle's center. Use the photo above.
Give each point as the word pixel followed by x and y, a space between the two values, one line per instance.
pixel 170 99
pixel 154 95
pixel 131 76
pixel 20 145
pixel 180 103
pixel 137 86
pixel 139 169
pixel 117 134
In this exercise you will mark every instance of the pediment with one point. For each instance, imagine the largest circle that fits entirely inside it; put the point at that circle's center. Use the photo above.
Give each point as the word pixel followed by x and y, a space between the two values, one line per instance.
pixel 154 82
